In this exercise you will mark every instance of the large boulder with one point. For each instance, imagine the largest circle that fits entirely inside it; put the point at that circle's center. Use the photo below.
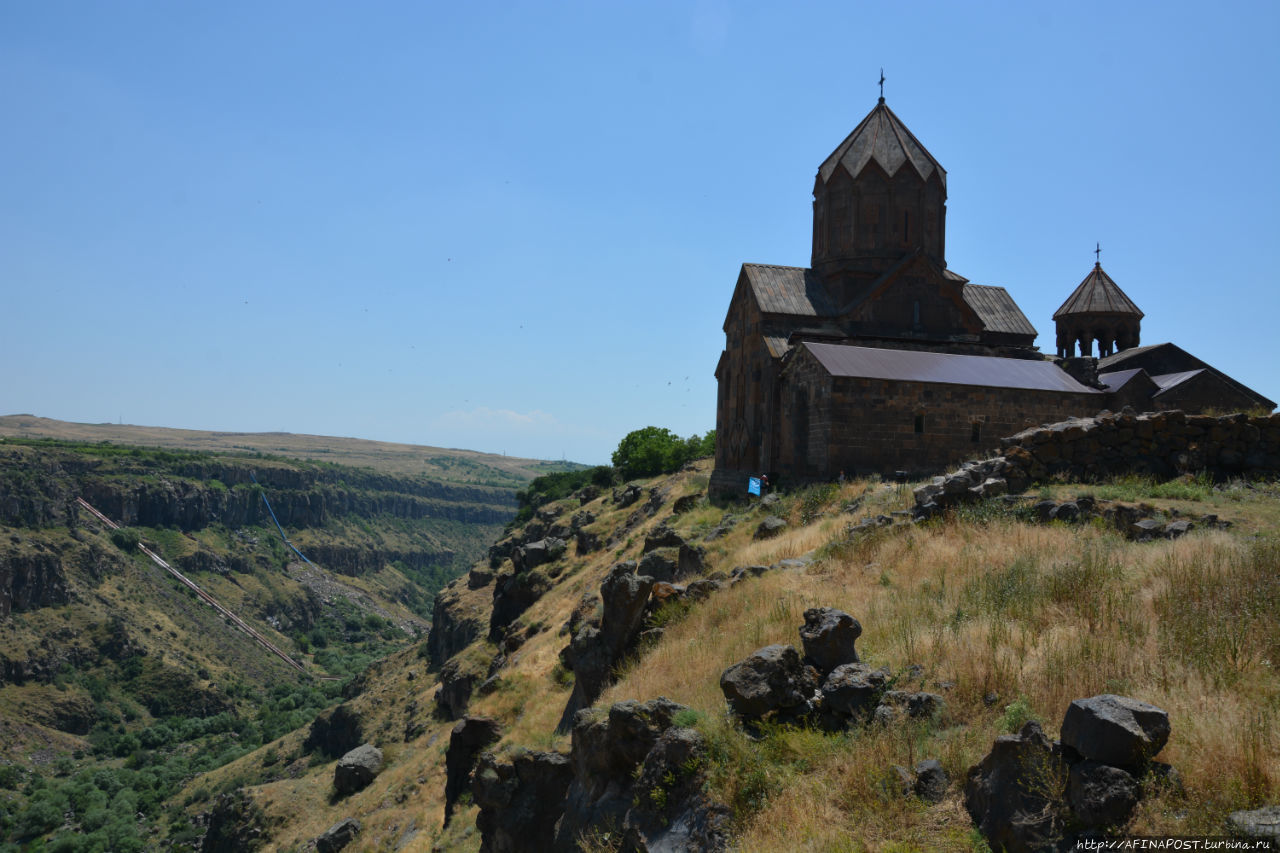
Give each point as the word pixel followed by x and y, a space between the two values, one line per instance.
pixel 520 801
pixel 1101 795
pixel 534 554
pixel 828 637
pixel 357 769
pixel 770 527
pixel 469 736
pixel 1015 795
pixel 852 691
pixel 1115 730
pixel 771 682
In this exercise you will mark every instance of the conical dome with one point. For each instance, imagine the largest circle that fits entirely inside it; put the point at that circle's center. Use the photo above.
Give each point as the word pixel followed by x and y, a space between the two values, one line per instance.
pixel 882 137
pixel 1098 294
pixel 1097 310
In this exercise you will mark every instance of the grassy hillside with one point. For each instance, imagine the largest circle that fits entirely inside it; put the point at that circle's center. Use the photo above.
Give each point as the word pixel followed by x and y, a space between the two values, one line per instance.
pixel 436 463
pixel 1006 617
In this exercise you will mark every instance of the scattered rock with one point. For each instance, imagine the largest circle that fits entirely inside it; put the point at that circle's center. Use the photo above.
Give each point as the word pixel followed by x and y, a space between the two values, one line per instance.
pixel 535 554
pixel 594 651
pixel 931 781
pixel 851 692
pixel 770 527
pixel 338 836
pixel 1263 823
pixel 357 769
pixel 828 637
pixel 685 503
pixel 662 536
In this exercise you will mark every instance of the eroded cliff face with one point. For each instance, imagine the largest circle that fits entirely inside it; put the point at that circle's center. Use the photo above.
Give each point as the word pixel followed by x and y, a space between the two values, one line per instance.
pixel 30 579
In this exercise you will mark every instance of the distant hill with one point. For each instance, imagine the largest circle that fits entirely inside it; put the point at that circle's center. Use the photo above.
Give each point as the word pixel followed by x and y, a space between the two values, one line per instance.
pixel 437 463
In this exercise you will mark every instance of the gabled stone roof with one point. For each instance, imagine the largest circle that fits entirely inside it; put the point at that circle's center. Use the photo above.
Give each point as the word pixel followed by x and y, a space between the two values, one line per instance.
pixel 1098 294
pixel 788 290
pixel 998 311
pixel 882 137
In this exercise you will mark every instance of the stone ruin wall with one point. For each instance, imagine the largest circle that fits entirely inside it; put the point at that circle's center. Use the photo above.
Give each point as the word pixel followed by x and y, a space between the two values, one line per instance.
pixel 1163 444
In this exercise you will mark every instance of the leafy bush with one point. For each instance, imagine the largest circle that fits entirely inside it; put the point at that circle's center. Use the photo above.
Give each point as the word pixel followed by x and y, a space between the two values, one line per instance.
pixel 560 484
pixel 654 450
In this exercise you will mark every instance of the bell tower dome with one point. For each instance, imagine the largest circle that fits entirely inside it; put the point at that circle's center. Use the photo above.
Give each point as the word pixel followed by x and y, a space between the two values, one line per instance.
pixel 1097 310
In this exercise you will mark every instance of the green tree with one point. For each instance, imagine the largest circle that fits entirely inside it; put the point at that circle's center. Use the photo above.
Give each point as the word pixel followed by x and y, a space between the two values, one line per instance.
pixel 655 450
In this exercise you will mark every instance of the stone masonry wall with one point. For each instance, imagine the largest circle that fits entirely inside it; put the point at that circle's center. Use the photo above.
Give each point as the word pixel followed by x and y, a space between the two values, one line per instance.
pixel 1163 444
pixel 869 425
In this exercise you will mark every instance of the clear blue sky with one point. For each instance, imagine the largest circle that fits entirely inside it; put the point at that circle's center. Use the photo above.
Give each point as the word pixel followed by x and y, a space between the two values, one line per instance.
pixel 516 226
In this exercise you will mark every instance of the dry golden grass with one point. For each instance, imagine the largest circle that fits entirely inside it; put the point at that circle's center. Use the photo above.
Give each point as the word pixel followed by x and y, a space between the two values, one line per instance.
pixel 1036 614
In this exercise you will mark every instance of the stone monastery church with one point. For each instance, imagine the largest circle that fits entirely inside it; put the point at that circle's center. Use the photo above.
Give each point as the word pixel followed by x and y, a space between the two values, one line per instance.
pixel 878 358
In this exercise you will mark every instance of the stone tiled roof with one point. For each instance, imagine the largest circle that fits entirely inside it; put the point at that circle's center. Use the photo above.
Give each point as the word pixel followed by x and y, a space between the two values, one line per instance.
pixel 944 368
pixel 882 137
pixel 997 309
pixel 788 290
pixel 1098 294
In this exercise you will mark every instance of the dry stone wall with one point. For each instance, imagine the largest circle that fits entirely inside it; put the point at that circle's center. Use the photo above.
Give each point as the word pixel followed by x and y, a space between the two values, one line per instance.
pixel 1162 444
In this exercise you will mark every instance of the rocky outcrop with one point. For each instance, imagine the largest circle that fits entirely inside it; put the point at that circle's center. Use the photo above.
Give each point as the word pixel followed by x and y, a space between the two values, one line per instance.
pixel 468 737
pixel 30 579
pixel 335 733
pixel 338 836
pixel 452 628
pixel 608 748
pixel 596 650
pixel 513 594
pixel 771 683
pixel 457 682
pixel 670 810
pixel 520 801
pixel 357 769
pixel 1029 793
pixel 235 824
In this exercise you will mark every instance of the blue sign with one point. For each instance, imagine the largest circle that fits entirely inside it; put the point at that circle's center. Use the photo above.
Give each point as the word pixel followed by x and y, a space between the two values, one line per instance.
pixel 753 486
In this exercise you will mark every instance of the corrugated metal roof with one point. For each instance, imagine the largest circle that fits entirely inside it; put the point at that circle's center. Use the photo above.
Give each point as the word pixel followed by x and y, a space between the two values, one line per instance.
pixel 944 368
pixel 882 137
pixel 997 309
pixel 1171 380
pixel 1118 379
pixel 788 290
pixel 1097 294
